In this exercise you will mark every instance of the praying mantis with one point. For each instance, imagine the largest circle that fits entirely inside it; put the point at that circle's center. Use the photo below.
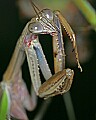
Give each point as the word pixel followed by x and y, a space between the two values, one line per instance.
pixel 45 22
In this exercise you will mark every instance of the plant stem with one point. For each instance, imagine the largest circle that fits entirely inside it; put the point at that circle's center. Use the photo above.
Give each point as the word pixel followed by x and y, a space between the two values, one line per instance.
pixel 87 10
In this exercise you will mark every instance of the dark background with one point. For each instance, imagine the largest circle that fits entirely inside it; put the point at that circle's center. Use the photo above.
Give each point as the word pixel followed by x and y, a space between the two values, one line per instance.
pixel 83 90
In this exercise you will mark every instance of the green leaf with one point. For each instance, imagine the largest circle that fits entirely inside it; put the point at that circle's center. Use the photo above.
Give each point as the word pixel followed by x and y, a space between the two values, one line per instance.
pixel 4 105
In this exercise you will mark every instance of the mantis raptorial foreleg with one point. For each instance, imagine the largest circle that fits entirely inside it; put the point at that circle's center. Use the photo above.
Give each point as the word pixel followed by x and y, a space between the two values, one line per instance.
pixel 57 84
pixel 58 47
pixel 70 34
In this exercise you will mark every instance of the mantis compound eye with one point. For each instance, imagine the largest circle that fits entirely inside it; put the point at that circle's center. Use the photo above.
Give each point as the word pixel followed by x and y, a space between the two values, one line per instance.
pixel 48 13
pixel 35 27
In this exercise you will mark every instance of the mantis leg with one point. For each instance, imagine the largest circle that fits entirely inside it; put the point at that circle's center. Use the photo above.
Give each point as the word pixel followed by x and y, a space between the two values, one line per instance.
pixel 66 97
pixel 33 67
pixel 58 47
pixel 70 34
pixel 42 60
pixel 36 59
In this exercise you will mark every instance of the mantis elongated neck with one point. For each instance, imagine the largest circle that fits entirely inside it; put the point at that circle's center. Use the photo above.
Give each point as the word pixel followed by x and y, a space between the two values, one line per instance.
pixel 15 63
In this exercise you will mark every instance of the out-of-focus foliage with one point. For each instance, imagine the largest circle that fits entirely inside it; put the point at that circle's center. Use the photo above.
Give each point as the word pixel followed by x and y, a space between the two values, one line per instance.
pixel 4 104
pixel 87 10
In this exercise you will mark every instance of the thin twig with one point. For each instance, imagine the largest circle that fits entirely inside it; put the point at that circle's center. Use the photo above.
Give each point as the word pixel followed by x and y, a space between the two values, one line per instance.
pixel 42 110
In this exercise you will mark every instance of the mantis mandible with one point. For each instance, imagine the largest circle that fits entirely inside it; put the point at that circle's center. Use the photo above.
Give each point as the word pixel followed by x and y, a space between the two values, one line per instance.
pixel 45 22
